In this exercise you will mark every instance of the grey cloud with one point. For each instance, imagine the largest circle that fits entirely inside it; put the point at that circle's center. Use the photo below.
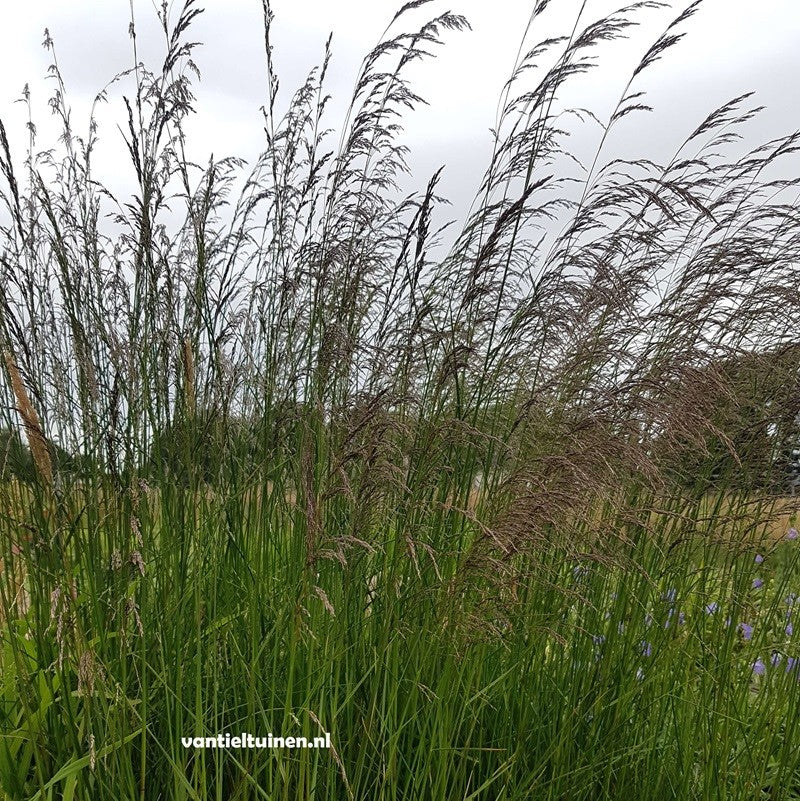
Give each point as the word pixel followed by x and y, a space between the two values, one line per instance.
pixel 721 56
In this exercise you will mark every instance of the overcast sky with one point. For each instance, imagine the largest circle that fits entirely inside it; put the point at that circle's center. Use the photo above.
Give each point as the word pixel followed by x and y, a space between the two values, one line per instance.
pixel 732 46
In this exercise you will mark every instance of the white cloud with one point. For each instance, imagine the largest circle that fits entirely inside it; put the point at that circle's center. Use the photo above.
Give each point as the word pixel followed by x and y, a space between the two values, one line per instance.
pixel 731 46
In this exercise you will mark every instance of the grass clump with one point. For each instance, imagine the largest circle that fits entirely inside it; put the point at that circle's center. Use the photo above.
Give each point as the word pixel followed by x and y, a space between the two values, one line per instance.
pixel 503 513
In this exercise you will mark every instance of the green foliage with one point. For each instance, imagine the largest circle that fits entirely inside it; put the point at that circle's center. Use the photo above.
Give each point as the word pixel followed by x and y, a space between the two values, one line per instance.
pixel 16 461
pixel 487 510
pixel 748 408
pixel 200 448
pixel 15 457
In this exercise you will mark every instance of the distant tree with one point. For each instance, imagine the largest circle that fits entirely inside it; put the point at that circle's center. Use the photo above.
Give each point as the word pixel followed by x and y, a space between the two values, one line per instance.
pixel 212 447
pixel 735 421
pixel 16 460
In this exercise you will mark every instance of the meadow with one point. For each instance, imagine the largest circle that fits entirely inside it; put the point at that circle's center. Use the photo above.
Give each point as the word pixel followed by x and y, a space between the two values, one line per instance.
pixel 504 508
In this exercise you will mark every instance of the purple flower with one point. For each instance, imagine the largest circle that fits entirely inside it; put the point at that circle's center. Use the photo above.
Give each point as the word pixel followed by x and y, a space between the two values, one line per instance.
pixel 791 664
pixel 711 608
pixel 681 618
pixel 669 595
pixel 598 639
pixel 757 584
pixel 791 534
pixel 639 674
pixel 759 668
pixel 759 558
pixel 747 630
pixel 776 659
pixel 789 629
pixel 647 649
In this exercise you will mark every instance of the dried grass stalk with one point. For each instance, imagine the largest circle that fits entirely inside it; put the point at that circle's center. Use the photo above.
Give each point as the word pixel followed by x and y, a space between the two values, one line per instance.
pixel 188 377
pixel 33 428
